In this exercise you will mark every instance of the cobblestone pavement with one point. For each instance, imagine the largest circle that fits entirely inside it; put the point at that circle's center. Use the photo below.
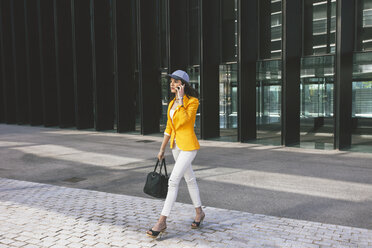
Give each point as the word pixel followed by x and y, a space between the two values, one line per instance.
pixel 42 215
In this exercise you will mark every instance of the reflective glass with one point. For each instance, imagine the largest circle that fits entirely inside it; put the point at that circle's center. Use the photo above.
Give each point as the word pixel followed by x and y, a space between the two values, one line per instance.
pixel 366 28
pixel 194 74
pixel 320 26
pixel 317 98
pixel 362 102
pixel 228 98
pixel 276 28
pixel 268 105
pixel 164 82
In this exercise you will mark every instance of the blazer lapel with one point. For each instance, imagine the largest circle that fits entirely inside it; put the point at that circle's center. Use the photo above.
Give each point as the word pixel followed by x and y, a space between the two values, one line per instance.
pixel 185 101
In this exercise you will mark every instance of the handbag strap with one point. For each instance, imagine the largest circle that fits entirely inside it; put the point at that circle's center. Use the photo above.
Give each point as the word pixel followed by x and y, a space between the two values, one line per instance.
pixel 156 166
pixel 165 167
pixel 161 166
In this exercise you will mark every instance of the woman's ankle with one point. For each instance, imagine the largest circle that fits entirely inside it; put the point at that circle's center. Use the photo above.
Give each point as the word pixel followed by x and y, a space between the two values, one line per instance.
pixel 199 210
pixel 162 219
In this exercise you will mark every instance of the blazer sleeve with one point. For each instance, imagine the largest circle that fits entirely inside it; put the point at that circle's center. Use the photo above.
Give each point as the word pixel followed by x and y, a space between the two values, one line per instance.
pixel 168 129
pixel 187 114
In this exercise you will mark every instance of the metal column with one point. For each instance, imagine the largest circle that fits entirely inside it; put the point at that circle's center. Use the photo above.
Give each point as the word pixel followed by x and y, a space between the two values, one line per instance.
pixel 209 68
pixel 82 59
pixel 291 60
pixel 19 60
pixel 48 64
pixel 264 11
pixel 64 63
pixel 125 86
pixel 9 94
pixel 149 74
pixel 33 62
pixel 248 36
pixel 178 46
pixel 345 30
pixel 103 73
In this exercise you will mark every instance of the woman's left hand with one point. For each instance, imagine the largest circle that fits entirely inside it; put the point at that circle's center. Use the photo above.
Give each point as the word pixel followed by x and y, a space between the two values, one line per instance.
pixel 181 91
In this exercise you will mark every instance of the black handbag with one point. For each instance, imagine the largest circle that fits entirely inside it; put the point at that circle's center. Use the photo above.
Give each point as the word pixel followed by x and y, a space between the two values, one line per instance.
pixel 157 183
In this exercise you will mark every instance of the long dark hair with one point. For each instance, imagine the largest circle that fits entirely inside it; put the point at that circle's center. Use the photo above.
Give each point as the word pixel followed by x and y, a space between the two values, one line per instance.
pixel 189 91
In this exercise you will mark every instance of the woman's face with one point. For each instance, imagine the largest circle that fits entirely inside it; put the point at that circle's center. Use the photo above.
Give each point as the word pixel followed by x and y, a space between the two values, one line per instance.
pixel 174 83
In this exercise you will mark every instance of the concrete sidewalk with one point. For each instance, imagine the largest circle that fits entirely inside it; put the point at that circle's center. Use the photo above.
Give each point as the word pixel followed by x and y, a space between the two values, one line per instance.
pixel 41 215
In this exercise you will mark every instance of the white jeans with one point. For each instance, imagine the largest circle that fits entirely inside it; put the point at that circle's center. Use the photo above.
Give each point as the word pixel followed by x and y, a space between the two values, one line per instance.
pixel 182 168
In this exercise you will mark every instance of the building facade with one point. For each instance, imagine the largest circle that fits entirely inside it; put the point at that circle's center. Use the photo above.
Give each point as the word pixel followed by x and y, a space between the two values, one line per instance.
pixel 281 72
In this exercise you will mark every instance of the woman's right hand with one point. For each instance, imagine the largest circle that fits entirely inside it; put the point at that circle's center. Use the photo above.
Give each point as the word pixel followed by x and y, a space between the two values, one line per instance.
pixel 161 155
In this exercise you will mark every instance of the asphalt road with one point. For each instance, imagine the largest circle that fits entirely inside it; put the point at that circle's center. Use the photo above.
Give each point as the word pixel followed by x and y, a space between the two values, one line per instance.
pixel 317 185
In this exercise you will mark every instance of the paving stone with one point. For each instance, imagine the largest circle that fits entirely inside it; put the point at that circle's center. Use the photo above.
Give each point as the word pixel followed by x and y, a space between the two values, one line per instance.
pixel 53 216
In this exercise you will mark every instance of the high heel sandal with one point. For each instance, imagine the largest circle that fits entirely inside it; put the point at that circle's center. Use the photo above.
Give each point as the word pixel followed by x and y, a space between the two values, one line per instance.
pixel 195 225
pixel 155 234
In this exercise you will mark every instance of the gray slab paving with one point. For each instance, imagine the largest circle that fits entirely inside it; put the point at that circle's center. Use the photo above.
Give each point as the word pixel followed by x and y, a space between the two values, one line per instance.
pixel 42 215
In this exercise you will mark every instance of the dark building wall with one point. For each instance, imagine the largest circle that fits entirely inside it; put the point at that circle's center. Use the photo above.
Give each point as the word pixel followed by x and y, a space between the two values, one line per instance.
pixel 82 59
pixel 9 93
pixel 33 61
pixel 19 60
pixel 48 62
pixel 64 63
pixel 96 64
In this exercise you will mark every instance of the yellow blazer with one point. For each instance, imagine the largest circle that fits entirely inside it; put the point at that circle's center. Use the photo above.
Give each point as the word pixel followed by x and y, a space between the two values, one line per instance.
pixel 182 127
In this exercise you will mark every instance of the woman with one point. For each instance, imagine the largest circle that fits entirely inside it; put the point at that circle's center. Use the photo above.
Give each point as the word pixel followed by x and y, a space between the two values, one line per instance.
pixel 184 144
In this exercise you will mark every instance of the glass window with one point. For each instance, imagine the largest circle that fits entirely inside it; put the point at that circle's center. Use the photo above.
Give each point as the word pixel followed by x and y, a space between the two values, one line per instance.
pixel 320 26
pixel 317 99
pixel 228 96
pixel 194 74
pixel 269 101
pixel 362 85
pixel 366 25
pixel 164 82
pixel 276 28
pixel 362 102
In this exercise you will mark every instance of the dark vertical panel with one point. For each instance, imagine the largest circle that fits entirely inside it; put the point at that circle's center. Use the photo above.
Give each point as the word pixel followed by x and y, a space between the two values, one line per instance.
pixel 2 117
pixel 125 86
pixel 19 54
pixel 227 20
pixel 344 70
pixel 291 60
pixel 178 52
pixel 193 32
pixel 308 27
pixel 148 68
pixel 48 58
pixel 265 29
pixel 358 25
pixel 2 78
pixel 82 52
pixel 8 65
pixel 64 63
pixel 103 77
pixel 33 62
pixel 209 68
pixel 247 57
